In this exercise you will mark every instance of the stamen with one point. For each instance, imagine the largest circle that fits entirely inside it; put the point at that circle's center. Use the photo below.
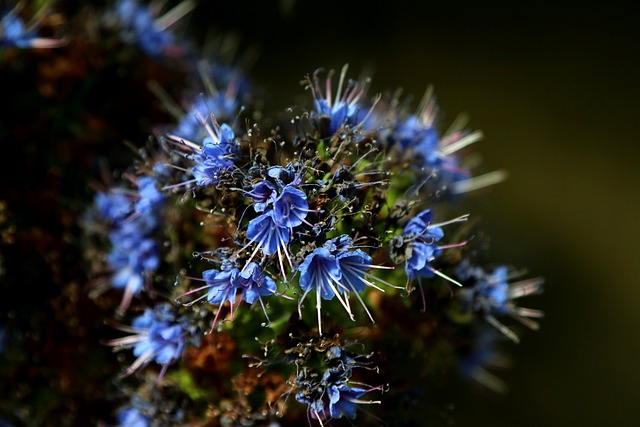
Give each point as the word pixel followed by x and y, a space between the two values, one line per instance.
pixel 502 328
pixel 175 14
pixel 318 305
pixel 461 218
pixel 478 182
pixel 353 288
pixel 343 75
pixel 165 99
pixel 449 148
pixel 444 276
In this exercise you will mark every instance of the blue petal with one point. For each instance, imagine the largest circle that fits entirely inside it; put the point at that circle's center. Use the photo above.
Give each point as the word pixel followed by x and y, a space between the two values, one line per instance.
pixel 270 235
pixel 291 207
pixel 353 265
pixel 314 272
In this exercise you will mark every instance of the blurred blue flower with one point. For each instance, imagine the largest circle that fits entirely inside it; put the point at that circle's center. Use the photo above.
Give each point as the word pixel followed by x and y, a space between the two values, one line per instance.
pixel 344 108
pixel 190 125
pixel 157 336
pixel 492 295
pixel 14 33
pixel 131 417
pixel 113 205
pixel 140 24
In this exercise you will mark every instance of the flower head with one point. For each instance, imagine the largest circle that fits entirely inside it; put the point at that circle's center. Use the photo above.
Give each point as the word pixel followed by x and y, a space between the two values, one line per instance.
pixel 325 387
pixel 418 247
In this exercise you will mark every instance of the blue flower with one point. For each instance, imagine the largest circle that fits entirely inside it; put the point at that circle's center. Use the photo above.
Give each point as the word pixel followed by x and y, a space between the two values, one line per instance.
pixel 336 270
pixel 222 285
pixel 131 258
pixel 334 401
pixel 341 110
pixel 141 26
pixel 254 283
pixel 158 336
pixel 150 198
pixel 14 33
pixel 135 251
pixel 419 242
pixel 270 235
pixel 321 273
pixel 216 156
pixel 343 400
pixel 491 295
pixel 263 194
pixel 495 290
pixel 436 156
pixel 411 133
pixel 291 207
pixel 190 126
pixel 113 205
pixel 423 248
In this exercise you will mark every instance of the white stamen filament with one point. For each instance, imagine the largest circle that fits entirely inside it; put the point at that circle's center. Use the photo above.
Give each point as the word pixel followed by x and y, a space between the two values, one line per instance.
pixel 502 328
pixel 450 148
pixel 479 182
pixel 175 14
pixel 461 218
pixel 444 276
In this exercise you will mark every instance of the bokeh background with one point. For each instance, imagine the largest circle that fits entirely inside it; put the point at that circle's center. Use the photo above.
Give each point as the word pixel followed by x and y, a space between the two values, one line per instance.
pixel 555 91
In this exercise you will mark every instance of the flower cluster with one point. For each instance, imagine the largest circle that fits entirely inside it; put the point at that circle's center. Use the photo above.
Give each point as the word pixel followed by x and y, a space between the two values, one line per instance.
pixel 323 379
pixel 133 218
pixel 344 201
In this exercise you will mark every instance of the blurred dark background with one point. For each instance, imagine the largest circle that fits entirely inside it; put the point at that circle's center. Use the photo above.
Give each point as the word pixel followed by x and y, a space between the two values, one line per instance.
pixel 554 89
